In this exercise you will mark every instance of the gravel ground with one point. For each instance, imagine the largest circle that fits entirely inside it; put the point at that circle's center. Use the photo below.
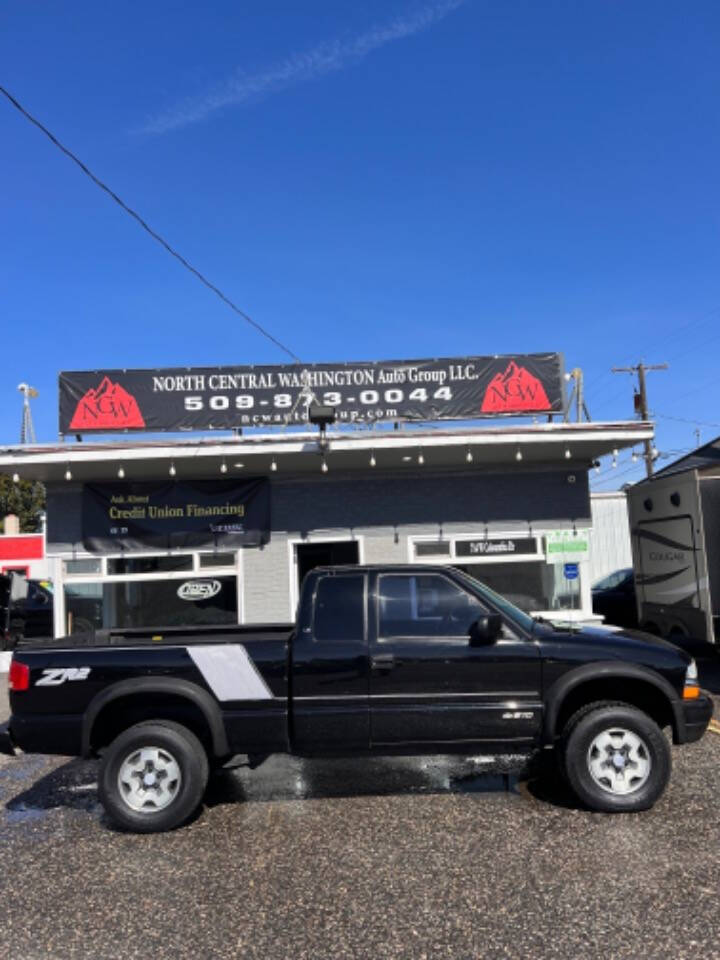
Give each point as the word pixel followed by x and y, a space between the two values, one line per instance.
pixel 407 858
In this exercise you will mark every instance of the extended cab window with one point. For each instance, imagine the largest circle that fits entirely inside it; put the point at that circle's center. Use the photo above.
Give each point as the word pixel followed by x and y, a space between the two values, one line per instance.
pixel 339 609
pixel 424 605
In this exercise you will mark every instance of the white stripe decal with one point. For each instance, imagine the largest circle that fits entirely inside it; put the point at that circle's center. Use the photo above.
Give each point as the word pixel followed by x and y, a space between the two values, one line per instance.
pixel 229 672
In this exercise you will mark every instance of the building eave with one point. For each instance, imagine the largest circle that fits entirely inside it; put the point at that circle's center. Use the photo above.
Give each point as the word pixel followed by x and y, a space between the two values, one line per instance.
pixel 300 453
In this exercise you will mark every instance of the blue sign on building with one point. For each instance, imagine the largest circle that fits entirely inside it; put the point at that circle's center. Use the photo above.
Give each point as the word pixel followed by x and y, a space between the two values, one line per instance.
pixel 571 571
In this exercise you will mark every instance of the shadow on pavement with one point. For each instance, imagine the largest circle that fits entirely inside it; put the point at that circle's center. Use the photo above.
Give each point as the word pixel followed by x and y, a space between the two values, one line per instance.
pixel 71 786
pixel 283 778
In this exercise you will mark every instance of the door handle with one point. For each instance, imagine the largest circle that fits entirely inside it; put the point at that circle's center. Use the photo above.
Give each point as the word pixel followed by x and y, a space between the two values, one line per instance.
pixel 383 661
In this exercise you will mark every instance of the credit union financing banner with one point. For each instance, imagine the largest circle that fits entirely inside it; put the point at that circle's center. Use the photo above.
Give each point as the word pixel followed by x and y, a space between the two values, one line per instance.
pixel 204 513
pixel 220 398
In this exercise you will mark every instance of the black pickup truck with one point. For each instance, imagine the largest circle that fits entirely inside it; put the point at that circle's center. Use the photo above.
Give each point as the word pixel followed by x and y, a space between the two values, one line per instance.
pixel 384 660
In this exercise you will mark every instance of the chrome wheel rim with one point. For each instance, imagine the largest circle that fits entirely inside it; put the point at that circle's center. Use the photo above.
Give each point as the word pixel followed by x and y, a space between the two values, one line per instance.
pixel 619 761
pixel 149 779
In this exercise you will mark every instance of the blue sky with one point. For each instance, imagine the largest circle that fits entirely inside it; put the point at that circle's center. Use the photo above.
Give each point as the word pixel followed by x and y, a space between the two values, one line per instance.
pixel 367 180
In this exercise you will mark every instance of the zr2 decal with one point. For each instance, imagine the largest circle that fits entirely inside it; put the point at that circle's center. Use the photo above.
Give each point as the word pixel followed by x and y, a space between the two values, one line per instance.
pixel 57 675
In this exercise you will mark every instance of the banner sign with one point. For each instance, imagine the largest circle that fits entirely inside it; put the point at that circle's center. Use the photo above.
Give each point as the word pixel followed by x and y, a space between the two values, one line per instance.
pixel 567 546
pixel 221 398
pixel 505 547
pixel 166 514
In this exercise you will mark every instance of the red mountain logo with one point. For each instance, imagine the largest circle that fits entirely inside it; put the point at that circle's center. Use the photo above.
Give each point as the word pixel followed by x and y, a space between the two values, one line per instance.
pixel 110 405
pixel 513 391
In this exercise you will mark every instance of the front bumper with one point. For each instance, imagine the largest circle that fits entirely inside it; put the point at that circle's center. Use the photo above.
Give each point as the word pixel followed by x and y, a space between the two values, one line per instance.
pixel 692 717
pixel 6 744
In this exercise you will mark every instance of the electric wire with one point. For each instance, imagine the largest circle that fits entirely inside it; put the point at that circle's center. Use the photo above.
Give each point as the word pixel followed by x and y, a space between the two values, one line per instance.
pixel 695 423
pixel 156 236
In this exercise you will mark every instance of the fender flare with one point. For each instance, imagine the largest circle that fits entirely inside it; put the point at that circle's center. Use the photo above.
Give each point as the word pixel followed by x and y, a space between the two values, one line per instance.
pixel 602 670
pixel 149 685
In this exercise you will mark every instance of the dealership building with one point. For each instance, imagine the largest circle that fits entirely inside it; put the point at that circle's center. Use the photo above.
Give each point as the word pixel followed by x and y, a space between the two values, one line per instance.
pixel 222 528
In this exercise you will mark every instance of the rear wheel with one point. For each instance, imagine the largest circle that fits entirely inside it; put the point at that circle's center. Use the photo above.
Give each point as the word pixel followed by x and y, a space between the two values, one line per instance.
pixel 615 758
pixel 153 776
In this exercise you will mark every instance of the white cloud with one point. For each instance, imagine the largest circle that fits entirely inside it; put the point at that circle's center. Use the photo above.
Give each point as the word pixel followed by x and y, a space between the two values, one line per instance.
pixel 325 58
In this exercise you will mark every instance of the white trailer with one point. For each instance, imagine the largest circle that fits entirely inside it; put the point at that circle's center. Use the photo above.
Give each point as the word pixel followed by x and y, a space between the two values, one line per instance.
pixel 675 530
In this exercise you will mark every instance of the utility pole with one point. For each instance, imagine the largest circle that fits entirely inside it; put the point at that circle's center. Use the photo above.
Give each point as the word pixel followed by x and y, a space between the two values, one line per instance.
pixel 641 404
pixel 577 396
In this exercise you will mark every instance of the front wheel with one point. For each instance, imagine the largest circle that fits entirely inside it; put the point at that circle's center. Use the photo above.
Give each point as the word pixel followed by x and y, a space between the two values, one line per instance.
pixel 153 776
pixel 615 758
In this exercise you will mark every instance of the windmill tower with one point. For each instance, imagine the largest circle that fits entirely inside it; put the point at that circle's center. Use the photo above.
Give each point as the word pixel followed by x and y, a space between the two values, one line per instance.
pixel 27 430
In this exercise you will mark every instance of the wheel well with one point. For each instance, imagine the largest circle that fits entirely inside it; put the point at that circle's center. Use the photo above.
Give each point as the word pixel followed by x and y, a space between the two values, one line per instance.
pixel 637 693
pixel 126 711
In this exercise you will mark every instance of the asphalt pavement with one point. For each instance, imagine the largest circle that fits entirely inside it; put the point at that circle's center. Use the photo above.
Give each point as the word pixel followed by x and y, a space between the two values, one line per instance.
pixel 404 858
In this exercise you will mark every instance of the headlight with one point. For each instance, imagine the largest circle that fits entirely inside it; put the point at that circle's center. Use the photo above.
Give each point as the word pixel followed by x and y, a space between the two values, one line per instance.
pixel 691 690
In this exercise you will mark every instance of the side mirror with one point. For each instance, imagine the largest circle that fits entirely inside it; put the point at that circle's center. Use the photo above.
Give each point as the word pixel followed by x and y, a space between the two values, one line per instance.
pixel 486 629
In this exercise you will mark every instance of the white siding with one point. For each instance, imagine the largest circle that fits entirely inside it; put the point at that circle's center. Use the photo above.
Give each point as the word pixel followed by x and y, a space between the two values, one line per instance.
pixel 610 547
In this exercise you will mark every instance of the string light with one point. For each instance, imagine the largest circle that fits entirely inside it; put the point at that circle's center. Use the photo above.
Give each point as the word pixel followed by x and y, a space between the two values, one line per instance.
pixel 16 478
pixel 121 471
pixel 421 458
pixel 68 474
pixel 324 466
pixel 373 461
pixel 172 471
pixel 518 454
pixel 223 467
pixel 568 455
pixel 469 456
pixel 273 466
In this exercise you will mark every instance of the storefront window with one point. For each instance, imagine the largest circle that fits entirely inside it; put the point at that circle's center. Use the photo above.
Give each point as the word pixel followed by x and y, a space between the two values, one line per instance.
pixel 151 603
pixel 529 585
pixel 84 566
pixel 432 548
pixel 217 560
pixel 159 564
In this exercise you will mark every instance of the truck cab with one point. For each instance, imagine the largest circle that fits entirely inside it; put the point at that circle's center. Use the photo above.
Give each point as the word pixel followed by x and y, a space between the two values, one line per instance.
pixel 408 658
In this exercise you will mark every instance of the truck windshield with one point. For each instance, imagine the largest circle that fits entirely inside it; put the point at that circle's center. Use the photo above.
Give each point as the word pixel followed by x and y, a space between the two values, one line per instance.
pixel 512 612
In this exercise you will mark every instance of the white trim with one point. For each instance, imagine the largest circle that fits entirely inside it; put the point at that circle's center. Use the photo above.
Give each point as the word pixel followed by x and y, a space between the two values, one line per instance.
pixel 58 597
pixel 452 538
pixel 240 580
pixel 303 442
pixel 318 538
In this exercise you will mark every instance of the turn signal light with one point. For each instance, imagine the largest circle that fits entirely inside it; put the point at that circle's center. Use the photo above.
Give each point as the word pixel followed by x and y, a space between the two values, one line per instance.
pixel 19 676
pixel 691 692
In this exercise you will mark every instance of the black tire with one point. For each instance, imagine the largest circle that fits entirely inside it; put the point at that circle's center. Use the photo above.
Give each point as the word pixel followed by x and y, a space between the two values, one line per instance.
pixel 644 783
pixel 180 757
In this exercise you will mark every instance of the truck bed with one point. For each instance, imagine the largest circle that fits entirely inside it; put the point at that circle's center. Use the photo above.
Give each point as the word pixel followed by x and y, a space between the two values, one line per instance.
pixel 161 636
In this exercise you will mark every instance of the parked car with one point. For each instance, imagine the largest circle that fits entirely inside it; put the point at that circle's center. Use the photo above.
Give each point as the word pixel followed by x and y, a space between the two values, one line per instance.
pixel 382 660
pixel 613 598
pixel 26 608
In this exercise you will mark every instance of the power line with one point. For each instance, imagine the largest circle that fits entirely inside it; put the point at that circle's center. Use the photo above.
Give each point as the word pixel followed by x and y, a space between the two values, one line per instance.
pixel 156 236
pixel 695 423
